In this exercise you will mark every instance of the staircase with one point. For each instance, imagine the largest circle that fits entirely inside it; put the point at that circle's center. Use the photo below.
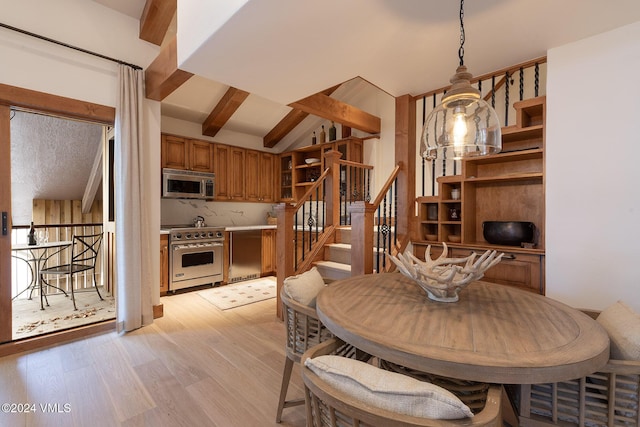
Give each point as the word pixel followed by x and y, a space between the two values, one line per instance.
pixel 337 256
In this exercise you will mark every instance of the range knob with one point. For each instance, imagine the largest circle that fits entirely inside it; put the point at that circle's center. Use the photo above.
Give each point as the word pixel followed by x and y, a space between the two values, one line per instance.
pixel 219 234
pixel 210 234
pixel 188 235
pixel 178 235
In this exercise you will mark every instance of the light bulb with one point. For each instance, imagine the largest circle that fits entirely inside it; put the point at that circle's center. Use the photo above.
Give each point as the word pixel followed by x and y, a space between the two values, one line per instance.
pixel 459 126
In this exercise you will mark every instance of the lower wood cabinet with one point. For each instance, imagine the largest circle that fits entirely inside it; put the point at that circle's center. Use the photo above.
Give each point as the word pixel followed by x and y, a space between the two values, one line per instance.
pixel 269 259
pixel 520 269
pixel 164 264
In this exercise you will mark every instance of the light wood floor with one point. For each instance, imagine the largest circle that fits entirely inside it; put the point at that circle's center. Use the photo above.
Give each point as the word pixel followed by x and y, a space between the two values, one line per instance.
pixel 196 366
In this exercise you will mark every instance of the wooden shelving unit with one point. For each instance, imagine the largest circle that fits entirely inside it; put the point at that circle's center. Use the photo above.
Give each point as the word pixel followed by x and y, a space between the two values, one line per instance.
pixel 508 186
pixel 296 175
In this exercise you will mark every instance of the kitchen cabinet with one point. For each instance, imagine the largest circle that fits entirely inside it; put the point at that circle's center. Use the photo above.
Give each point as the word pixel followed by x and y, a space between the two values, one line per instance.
pixel 187 154
pixel 259 174
pixel 164 264
pixel 222 170
pixel 508 186
pixel 286 177
pixel 229 169
pixel 269 259
pixel 237 173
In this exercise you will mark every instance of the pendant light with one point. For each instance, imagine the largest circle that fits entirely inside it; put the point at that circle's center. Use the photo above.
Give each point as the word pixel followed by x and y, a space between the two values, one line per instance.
pixel 463 125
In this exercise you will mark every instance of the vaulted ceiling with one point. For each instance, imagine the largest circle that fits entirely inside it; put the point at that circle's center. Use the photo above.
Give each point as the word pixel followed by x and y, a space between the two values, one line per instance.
pixel 259 65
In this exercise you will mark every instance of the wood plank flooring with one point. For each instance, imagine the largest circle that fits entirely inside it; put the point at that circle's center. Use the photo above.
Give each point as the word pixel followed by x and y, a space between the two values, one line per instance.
pixel 196 366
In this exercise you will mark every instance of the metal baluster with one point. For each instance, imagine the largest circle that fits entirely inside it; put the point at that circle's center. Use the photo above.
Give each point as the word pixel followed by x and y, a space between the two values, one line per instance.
pixel 395 213
pixel 367 173
pixel 433 162
pixel 377 251
pixel 506 98
pixel 310 222
pixel 324 210
pixel 343 194
pixel 521 83
pixel 493 92
pixel 424 161
pixel 536 79
pixel 381 227
pixel 295 242
pixel 387 226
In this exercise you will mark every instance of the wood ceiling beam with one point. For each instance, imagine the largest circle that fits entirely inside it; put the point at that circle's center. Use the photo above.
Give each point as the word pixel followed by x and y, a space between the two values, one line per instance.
pixel 222 112
pixel 289 122
pixel 163 75
pixel 322 105
pixel 93 183
pixel 155 20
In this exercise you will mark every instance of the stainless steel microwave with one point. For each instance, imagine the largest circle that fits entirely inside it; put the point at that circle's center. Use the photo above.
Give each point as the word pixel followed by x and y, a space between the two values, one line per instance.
pixel 182 184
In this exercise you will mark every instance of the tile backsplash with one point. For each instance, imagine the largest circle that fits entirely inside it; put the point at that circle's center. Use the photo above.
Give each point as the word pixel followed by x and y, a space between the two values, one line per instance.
pixel 183 211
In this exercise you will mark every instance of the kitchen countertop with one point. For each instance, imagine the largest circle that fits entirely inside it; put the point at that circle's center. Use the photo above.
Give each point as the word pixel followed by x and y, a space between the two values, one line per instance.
pixel 251 227
pixel 167 229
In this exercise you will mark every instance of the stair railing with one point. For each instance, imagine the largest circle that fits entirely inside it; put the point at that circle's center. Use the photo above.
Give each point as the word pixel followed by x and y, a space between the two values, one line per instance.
pixel 373 229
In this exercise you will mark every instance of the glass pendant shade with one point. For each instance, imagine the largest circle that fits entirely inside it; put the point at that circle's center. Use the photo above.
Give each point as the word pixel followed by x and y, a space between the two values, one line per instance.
pixel 463 125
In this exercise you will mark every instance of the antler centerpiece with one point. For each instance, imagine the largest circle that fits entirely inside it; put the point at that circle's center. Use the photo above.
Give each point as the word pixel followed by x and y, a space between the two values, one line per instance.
pixel 444 277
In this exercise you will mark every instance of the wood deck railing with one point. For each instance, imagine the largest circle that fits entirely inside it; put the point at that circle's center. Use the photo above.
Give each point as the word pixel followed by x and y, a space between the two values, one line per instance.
pixel 22 272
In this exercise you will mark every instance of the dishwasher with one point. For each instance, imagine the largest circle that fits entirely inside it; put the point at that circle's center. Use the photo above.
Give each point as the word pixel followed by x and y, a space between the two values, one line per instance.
pixel 245 249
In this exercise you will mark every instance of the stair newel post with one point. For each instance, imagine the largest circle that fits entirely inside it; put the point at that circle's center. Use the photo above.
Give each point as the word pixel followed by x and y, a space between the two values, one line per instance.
pixel 285 253
pixel 332 185
pixel 362 214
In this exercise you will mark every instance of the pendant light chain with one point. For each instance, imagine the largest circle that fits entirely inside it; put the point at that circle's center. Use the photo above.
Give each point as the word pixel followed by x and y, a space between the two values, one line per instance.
pixel 462 38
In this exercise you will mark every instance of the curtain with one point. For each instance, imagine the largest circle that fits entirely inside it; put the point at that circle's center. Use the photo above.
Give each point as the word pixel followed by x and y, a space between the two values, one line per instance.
pixel 133 278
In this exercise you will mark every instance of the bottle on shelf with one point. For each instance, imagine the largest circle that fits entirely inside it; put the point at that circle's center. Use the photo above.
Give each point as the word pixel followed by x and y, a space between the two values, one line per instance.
pixel 323 135
pixel 314 140
pixel 31 237
pixel 332 131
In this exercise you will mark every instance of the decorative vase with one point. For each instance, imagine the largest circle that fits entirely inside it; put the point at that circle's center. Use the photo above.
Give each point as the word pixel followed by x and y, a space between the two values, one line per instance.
pixel 332 132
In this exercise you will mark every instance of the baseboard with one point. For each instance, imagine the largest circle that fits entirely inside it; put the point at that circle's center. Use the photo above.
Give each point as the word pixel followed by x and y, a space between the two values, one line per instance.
pixel 158 311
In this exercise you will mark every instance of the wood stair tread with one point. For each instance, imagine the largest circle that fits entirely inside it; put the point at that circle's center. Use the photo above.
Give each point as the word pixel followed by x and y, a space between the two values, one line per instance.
pixel 334 265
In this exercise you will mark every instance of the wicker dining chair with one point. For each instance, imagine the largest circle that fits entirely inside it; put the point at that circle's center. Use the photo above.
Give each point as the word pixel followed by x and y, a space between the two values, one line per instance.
pixel 328 406
pixel 609 397
pixel 303 331
pixel 84 256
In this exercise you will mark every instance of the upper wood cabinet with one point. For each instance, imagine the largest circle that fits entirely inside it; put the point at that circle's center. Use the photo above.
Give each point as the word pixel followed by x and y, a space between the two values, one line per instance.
pixel 240 174
pixel 188 154
pixel 222 171
pixel 259 174
pixel 229 169
pixel 236 175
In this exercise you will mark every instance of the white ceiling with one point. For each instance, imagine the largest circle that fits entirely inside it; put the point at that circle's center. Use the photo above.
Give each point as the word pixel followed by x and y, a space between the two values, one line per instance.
pixel 51 158
pixel 284 50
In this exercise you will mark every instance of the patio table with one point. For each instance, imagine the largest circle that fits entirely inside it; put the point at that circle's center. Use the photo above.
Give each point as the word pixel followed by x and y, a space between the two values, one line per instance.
pixel 35 256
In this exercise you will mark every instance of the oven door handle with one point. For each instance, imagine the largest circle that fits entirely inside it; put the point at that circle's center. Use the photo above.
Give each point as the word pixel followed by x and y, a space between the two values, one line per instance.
pixel 176 247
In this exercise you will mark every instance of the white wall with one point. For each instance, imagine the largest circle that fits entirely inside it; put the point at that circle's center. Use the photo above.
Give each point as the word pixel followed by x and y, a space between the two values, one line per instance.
pixel 592 172
pixel 39 65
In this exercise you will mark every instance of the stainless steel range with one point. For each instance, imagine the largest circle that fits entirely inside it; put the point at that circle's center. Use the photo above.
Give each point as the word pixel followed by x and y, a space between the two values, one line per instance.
pixel 195 256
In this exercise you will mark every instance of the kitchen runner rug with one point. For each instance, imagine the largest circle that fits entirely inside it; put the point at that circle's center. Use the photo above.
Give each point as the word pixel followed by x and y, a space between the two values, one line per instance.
pixel 239 294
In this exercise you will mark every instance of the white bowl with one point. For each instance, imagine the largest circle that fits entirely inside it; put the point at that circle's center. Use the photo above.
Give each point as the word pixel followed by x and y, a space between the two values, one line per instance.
pixel 311 160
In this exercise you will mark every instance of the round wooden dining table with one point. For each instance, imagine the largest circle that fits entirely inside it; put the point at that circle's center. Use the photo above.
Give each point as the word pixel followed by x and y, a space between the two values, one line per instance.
pixel 494 333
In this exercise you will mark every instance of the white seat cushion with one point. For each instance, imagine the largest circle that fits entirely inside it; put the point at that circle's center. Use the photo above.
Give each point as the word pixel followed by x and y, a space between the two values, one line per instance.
pixel 388 390
pixel 623 326
pixel 304 287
